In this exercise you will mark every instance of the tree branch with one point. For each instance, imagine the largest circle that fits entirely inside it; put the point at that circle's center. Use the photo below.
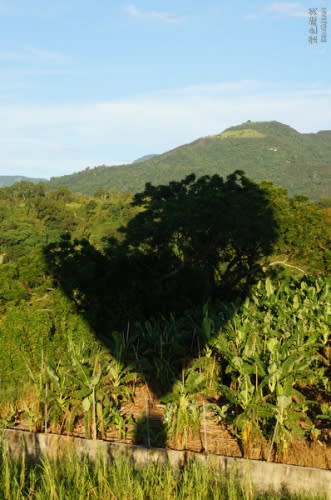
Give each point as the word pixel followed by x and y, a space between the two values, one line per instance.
pixel 284 263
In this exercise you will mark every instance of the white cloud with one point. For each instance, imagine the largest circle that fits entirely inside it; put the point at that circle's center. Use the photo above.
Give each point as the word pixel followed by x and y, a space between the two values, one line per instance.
pixel 160 16
pixel 54 140
pixel 280 9
pixel 33 55
pixel 293 9
pixel 133 11
pixel 164 17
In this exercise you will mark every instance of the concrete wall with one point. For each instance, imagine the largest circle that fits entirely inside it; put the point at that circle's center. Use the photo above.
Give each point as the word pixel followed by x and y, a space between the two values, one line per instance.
pixel 263 475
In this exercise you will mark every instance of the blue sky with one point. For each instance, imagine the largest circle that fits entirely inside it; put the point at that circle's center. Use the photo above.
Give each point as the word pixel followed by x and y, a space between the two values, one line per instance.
pixel 85 82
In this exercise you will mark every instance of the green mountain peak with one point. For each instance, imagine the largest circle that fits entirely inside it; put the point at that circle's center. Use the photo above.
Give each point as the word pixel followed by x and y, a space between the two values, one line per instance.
pixel 271 151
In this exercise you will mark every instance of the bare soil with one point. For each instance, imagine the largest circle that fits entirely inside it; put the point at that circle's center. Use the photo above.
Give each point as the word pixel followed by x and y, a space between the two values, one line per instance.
pixel 216 438
pixel 147 413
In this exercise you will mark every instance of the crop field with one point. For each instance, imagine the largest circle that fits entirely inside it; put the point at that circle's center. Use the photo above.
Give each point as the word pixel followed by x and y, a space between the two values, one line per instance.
pixel 151 319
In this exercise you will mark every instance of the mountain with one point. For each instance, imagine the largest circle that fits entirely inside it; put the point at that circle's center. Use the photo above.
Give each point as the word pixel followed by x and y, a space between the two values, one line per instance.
pixel 270 151
pixel 8 180
pixel 144 158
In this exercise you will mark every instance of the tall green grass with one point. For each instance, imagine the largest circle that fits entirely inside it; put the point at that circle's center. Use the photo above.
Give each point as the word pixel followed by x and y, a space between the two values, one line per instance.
pixel 78 479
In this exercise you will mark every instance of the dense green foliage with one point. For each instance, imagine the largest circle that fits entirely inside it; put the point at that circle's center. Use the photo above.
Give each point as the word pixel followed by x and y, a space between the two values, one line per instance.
pixel 273 348
pixel 227 278
pixel 265 150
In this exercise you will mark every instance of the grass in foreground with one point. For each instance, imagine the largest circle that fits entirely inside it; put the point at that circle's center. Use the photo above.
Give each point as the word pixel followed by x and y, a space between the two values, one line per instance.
pixel 78 479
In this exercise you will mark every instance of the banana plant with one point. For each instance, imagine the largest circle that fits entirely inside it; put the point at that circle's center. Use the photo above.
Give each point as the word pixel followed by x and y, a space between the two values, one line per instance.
pixel 86 375
pixel 87 383
pixel 244 397
pixel 116 389
pixel 270 351
pixel 289 418
pixel 182 412
pixel 62 409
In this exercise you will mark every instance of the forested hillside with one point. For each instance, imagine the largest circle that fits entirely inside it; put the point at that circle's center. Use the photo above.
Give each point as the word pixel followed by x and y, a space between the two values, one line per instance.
pixel 271 151
pixel 8 180
pixel 212 293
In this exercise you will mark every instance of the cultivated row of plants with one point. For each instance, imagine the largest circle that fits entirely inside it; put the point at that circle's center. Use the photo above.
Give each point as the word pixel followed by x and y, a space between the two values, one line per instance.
pixel 258 365
pixel 198 290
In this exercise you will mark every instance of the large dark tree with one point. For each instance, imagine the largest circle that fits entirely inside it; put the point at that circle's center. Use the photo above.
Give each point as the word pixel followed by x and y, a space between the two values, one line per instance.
pixel 212 230
pixel 191 241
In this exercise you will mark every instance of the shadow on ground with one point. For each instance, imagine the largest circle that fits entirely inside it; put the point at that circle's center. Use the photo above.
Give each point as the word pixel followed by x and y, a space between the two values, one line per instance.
pixel 191 243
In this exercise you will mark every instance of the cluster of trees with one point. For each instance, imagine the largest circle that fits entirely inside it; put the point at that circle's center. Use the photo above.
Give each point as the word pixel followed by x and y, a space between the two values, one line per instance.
pixel 143 287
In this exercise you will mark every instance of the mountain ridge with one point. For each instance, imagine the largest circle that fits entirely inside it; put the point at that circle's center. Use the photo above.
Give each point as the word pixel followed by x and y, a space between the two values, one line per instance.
pixel 9 180
pixel 272 151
